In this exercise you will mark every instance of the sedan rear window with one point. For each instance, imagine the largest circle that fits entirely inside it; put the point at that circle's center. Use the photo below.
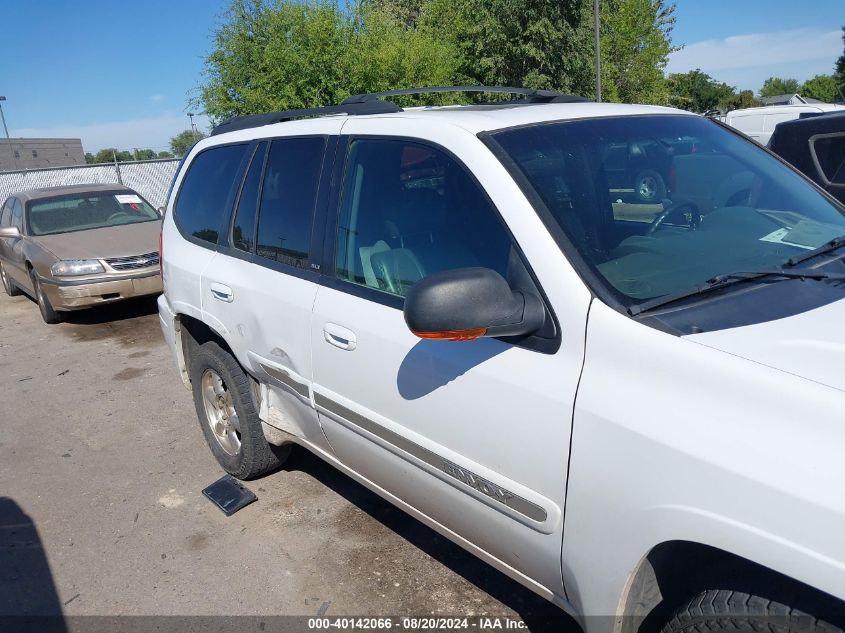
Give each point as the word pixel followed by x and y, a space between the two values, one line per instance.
pixel 84 211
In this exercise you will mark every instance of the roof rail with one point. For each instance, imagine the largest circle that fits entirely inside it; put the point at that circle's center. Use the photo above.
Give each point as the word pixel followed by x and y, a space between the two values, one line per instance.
pixel 257 120
pixel 533 95
pixel 374 103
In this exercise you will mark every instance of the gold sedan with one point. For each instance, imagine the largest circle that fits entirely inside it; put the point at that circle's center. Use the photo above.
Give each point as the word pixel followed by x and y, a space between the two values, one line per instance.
pixel 79 246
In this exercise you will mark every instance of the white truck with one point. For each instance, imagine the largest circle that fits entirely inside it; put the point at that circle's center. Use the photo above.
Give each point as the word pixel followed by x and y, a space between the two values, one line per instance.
pixel 760 123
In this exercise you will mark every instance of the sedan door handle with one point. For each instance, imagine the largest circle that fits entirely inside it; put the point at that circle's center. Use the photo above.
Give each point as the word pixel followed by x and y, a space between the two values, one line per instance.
pixel 339 336
pixel 222 292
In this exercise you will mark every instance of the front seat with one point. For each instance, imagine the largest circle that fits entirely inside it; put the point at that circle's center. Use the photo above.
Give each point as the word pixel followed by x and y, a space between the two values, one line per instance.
pixel 396 270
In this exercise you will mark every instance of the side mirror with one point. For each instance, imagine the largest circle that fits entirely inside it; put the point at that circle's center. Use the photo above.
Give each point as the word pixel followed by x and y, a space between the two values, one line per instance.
pixel 10 231
pixel 468 303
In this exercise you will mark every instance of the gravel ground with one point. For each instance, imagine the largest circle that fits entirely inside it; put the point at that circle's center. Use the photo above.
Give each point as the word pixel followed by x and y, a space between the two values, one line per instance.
pixel 101 451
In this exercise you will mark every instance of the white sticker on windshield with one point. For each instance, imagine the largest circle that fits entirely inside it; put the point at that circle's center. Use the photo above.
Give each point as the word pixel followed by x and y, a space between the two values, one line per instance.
pixel 127 198
pixel 777 237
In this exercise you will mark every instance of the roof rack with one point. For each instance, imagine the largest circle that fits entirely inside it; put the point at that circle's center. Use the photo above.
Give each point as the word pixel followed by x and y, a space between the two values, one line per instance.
pixel 532 95
pixel 258 120
pixel 374 103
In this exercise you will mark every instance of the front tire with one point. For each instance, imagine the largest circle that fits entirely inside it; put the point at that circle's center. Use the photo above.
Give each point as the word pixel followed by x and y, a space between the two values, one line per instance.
pixel 8 285
pixel 226 410
pixel 49 315
pixel 738 612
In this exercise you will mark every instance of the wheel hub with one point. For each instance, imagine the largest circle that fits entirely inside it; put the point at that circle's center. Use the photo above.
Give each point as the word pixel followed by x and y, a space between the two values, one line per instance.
pixel 220 413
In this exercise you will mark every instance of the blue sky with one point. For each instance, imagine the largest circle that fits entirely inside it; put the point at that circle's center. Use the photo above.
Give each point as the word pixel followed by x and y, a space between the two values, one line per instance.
pixel 120 73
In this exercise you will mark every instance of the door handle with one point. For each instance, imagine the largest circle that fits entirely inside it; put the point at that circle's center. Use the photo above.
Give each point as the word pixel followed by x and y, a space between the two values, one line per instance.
pixel 221 292
pixel 340 336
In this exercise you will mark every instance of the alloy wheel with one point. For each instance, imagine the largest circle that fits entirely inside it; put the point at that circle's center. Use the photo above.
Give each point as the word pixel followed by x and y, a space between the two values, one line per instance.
pixel 220 414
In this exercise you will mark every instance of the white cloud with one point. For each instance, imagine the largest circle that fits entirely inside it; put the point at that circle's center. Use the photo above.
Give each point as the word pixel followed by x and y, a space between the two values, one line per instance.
pixel 754 57
pixel 154 132
pixel 157 98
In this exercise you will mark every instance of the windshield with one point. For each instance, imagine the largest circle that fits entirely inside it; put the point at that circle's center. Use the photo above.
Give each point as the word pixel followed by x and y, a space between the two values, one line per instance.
pixel 661 203
pixel 83 211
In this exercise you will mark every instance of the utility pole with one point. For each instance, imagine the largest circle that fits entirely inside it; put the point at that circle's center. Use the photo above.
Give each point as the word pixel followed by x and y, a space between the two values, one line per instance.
pixel 8 140
pixel 598 49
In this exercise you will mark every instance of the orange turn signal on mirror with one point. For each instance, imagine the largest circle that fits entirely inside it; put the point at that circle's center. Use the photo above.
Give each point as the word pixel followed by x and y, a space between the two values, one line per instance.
pixel 454 335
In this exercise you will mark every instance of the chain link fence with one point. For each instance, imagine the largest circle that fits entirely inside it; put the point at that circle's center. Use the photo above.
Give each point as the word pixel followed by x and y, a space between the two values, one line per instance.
pixel 150 178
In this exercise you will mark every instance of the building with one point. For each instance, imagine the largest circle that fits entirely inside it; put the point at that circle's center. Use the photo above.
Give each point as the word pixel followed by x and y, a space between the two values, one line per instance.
pixel 791 99
pixel 17 154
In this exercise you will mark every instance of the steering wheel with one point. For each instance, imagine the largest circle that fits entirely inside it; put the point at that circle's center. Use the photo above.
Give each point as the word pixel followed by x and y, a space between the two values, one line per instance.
pixel 116 215
pixel 683 208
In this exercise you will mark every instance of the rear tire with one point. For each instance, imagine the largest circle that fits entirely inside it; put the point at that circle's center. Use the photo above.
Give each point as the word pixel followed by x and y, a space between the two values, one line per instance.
pixel 726 610
pixel 227 413
pixel 8 285
pixel 649 187
pixel 49 315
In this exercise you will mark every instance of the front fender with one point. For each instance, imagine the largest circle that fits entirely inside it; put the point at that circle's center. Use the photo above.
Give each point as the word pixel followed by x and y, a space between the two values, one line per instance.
pixel 676 441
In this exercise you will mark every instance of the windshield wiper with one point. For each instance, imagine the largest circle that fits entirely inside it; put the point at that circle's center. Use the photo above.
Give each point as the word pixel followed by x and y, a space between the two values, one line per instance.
pixel 827 247
pixel 729 279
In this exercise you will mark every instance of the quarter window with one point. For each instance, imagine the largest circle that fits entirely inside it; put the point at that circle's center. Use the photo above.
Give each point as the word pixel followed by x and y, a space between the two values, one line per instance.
pixel 830 153
pixel 243 228
pixel 205 194
pixel 288 196
pixel 410 210
pixel 6 213
pixel 17 214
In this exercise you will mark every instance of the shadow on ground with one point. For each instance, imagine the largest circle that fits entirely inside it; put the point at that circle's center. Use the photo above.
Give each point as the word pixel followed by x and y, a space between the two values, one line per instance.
pixel 120 311
pixel 28 597
pixel 538 614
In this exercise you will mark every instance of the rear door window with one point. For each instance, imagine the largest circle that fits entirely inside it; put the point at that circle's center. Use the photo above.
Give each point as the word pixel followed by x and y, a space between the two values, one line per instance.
pixel 205 196
pixel 288 197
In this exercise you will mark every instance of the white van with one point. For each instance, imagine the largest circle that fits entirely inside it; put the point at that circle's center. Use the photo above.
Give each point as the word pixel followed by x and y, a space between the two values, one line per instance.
pixel 635 410
pixel 759 123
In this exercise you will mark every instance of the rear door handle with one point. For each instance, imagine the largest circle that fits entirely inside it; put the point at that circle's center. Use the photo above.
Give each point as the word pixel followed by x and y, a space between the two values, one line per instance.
pixel 221 292
pixel 340 336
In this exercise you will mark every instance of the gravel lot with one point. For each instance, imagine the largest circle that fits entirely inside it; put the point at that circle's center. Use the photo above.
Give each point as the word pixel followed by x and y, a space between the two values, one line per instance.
pixel 101 449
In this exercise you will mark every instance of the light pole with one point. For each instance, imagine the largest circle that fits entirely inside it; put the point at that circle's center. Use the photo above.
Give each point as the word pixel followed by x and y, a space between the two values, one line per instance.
pixel 8 140
pixel 598 50
pixel 193 127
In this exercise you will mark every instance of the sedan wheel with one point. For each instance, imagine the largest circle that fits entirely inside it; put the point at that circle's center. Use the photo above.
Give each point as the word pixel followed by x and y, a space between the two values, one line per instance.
pixel 8 285
pixel 44 306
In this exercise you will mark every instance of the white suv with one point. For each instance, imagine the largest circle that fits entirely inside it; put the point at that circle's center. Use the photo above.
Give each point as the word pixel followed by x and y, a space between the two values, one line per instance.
pixel 635 410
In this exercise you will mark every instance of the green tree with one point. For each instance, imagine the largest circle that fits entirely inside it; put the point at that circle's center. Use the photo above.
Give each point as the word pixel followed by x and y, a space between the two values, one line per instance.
pixel 110 154
pixel 697 91
pixel 636 40
pixel 165 154
pixel 821 87
pixel 538 44
pixel 183 141
pixel 406 11
pixel 742 99
pixel 840 63
pixel 89 158
pixel 777 86
pixel 277 55
pixel 550 44
pixel 145 154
